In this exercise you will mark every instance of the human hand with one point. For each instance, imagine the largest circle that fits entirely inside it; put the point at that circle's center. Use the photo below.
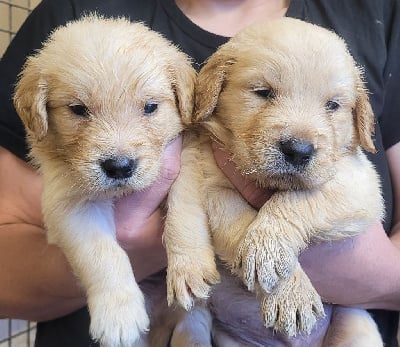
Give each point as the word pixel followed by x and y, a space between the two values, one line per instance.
pixel 346 270
pixel 37 283
pixel 255 195
pixel 138 217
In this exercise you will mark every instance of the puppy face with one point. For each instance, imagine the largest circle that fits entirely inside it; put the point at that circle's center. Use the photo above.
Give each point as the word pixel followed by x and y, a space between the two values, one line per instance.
pixel 286 99
pixel 101 100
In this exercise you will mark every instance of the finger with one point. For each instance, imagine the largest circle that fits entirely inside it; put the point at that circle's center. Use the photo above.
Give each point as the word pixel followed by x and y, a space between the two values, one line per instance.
pixel 255 195
pixel 169 171
pixel 145 202
pixel 171 159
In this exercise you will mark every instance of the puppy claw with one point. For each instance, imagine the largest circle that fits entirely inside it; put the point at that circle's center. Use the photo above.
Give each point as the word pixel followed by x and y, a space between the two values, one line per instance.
pixel 177 291
pixel 244 264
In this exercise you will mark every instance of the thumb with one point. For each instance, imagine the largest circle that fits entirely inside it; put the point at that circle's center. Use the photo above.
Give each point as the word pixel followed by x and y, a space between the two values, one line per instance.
pixel 250 191
pixel 171 163
pixel 147 201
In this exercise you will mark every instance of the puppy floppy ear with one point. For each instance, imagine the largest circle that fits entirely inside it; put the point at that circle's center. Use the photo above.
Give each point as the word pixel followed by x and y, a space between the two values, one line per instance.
pixel 30 100
pixel 210 82
pixel 183 80
pixel 364 118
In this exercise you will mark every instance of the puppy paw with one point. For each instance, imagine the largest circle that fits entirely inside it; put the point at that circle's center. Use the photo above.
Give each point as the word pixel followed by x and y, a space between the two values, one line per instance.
pixel 293 307
pixel 264 259
pixel 187 279
pixel 118 318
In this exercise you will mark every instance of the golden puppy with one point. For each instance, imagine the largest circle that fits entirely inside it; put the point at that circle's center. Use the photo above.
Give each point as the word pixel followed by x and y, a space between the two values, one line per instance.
pixel 287 100
pixel 100 102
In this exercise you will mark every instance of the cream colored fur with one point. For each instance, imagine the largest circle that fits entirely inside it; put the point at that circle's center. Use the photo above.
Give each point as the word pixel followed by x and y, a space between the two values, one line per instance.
pixel 114 69
pixel 274 82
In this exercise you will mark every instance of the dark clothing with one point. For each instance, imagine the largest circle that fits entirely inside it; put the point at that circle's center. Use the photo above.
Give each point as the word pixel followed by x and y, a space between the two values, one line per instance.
pixel 370 27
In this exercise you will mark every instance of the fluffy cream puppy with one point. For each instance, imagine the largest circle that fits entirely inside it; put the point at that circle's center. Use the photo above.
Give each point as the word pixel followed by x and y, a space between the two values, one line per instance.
pixel 287 100
pixel 100 101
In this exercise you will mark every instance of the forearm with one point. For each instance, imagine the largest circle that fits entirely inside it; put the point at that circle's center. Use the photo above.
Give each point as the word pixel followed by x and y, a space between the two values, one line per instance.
pixel 393 155
pixel 35 280
pixel 363 271
pixel 37 283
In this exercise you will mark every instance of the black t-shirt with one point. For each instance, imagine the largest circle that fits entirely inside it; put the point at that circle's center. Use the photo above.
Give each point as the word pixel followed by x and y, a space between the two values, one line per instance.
pixel 370 27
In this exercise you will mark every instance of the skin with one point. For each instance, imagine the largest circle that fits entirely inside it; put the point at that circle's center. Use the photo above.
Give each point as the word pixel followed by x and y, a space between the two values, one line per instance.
pixel 227 17
pixel 37 283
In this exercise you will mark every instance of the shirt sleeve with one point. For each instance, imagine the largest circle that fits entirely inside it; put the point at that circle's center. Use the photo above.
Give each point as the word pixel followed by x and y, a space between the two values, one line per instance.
pixel 46 17
pixel 390 120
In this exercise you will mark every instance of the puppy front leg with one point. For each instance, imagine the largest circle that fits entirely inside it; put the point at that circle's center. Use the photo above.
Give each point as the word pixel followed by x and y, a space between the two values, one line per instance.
pixel 86 234
pixel 289 220
pixel 269 249
pixel 191 261
pixel 268 253
pixel 291 306
pixel 267 259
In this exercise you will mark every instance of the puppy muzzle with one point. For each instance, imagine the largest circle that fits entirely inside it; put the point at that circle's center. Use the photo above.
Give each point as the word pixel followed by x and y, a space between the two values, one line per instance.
pixel 290 164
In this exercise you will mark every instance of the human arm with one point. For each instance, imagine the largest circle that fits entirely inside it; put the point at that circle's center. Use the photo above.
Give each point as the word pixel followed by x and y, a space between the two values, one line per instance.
pixel 393 155
pixel 363 271
pixel 36 280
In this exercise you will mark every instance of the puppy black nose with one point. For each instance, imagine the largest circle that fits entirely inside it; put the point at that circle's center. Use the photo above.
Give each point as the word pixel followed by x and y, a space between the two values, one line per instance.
pixel 119 167
pixel 297 152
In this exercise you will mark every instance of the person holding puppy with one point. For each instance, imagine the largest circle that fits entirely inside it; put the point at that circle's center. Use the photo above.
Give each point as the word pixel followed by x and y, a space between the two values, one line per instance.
pixel 36 281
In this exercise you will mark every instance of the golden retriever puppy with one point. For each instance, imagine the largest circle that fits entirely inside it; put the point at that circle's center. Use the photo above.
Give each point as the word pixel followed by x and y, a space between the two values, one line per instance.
pixel 100 102
pixel 287 100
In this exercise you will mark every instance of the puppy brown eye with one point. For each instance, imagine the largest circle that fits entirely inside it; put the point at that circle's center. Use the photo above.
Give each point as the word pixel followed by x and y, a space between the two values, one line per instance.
pixel 150 108
pixel 265 93
pixel 332 105
pixel 79 110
